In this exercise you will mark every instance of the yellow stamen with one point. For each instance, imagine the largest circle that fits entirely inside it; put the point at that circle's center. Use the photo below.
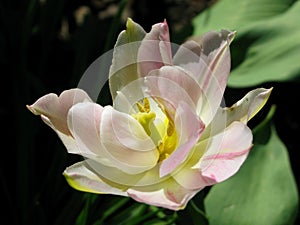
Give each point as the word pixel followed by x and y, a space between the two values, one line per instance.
pixel 169 142
pixel 146 117
pixel 145 107
pixel 164 136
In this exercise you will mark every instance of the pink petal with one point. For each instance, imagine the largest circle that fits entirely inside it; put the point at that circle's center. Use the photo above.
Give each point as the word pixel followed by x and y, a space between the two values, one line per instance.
pixel 216 159
pixel 189 128
pixel 155 49
pixel 209 66
pixel 170 85
pixel 167 194
pixel 56 108
pixel 188 52
pixel 216 55
pixel 225 152
pixel 53 111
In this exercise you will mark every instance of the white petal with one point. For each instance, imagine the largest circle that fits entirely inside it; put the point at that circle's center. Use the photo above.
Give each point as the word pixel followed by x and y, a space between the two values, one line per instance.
pixel 127 143
pixel 84 123
pixel 168 194
pixel 83 178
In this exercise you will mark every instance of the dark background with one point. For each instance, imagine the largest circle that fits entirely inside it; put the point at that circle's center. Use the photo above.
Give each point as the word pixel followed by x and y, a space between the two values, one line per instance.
pixel 45 46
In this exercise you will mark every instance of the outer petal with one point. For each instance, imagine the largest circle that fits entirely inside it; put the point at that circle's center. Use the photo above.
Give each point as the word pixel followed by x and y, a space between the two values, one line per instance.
pixel 83 178
pixel 124 63
pixel 214 79
pixel 225 152
pixel 189 128
pixel 211 71
pixel 191 177
pixel 53 111
pixel 243 111
pixel 125 140
pixel 168 194
pixel 56 108
pixel 115 175
pixel 216 159
pixel 155 50
pixel 246 108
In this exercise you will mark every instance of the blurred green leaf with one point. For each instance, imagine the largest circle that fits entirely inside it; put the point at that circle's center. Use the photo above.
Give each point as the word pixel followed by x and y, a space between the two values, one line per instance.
pixel 115 206
pixel 194 212
pixel 234 15
pixel 267 46
pixel 84 214
pixel 262 192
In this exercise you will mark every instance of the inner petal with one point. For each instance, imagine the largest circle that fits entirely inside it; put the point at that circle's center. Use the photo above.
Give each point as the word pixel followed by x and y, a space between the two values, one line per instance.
pixel 161 130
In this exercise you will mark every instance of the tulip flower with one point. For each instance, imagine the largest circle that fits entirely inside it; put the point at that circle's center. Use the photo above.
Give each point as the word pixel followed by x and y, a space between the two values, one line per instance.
pixel 166 137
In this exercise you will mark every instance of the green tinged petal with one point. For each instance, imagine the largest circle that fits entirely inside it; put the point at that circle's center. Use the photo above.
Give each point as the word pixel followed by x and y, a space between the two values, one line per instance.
pixel 246 108
pixel 124 68
pixel 81 177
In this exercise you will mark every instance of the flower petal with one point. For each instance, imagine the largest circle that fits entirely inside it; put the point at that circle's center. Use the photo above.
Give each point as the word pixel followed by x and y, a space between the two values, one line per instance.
pixel 84 123
pixel 127 97
pixel 243 111
pixel 214 79
pixel 188 52
pixel 83 178
pixel 170 85
pixel 53 111
pixel 225 152
pixel 168 194
pixel 127 143
pixel 124 63
pixel 211 71
pixel 155 49
pixel 56 108
pixel 189 128
pixel 246 108
pixel 115 175
pixel 192 179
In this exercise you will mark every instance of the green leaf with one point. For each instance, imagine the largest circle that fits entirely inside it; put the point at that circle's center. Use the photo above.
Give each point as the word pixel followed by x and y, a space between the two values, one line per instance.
pixel 267 45
pixel 234 15
pixel 262 192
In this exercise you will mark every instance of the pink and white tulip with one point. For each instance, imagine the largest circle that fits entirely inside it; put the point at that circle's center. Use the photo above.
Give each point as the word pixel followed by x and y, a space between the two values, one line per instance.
pixel 166 137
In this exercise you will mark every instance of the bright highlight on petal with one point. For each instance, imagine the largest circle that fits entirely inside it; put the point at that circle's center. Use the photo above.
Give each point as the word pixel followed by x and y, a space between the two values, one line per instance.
pixel 166 137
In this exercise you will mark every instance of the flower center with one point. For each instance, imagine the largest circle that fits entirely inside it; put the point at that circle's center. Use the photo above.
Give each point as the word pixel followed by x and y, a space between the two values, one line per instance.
pixel 163 134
